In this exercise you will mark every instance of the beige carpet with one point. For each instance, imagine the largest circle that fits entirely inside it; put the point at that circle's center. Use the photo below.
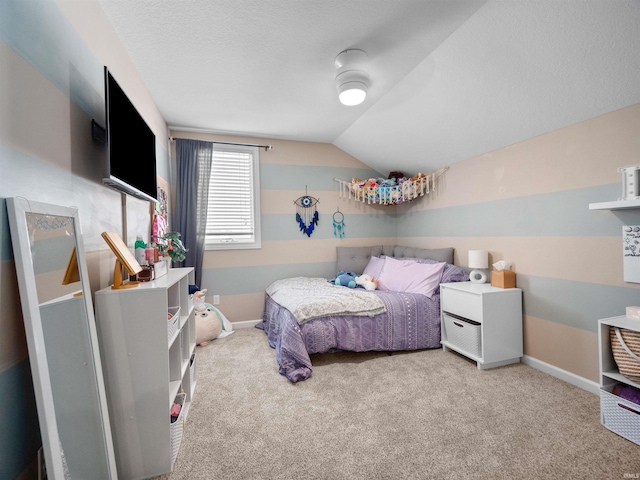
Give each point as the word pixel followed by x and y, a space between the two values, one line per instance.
pixel 420 415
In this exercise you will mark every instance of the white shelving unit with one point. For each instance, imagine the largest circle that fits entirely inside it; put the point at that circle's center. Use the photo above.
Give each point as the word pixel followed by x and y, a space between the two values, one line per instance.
pixel 482 322
pixel 149 363
pixel 618 415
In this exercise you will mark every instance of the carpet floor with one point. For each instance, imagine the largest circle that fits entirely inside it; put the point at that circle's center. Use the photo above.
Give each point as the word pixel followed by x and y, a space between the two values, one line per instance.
pixel 411 415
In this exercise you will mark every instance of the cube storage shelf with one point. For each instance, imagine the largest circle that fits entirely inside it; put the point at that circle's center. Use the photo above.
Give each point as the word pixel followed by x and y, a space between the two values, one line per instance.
pixel 617 414
pixel 147 343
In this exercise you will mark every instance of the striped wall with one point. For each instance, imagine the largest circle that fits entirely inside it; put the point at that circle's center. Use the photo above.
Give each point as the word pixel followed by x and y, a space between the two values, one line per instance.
pixel 286 172
pixel 51 87
pixel 529 204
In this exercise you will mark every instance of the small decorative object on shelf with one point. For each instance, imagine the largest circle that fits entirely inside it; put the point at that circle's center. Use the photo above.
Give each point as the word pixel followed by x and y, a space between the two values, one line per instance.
pixel 170 245
pixel 633 313
pixel 306 213
pixel 630 182
pixel 391 191
pixel 630 191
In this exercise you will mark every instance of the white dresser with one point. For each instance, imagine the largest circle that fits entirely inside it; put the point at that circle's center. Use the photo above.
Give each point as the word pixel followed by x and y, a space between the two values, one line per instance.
pixel 482 322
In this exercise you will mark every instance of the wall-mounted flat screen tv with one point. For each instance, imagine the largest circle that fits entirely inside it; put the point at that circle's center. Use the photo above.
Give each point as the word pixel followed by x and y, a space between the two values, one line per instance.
pixel 131 146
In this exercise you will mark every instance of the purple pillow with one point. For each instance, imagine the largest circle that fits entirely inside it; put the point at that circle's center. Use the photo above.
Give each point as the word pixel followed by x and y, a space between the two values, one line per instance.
pixel 374 267
pixel 410 276
pixel 451 273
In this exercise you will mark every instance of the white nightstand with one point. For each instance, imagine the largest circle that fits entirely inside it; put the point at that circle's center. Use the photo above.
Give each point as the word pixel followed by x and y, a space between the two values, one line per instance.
pixel 482 322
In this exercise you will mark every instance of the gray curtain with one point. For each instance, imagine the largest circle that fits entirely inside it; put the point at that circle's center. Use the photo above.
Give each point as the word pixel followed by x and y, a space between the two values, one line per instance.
pixel 193 158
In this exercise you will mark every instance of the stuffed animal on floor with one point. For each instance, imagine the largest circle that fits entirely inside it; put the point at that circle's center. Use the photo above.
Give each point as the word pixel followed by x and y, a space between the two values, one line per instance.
pixel 198 297
pixel 367 281
pixel 210 324
pixel 345 279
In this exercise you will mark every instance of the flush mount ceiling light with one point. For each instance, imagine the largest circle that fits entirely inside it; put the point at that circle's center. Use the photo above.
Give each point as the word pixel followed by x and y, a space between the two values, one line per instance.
pixel 352 80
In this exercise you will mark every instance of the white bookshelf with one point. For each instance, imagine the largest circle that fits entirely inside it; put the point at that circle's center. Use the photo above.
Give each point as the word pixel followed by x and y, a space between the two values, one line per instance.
pixel 148 362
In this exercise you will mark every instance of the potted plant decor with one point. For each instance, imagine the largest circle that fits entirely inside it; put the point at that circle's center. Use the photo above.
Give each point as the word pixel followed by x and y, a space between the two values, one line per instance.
pixel 171 245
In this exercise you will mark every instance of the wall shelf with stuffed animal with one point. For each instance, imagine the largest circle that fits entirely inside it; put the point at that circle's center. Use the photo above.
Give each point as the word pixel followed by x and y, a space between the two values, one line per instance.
pixel 391 191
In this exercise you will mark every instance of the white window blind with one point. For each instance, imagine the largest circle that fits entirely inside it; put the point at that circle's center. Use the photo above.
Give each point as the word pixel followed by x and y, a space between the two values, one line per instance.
pixel 233 200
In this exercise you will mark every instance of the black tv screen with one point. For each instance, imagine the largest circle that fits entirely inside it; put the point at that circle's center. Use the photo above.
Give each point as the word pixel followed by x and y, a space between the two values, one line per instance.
pixel 131 145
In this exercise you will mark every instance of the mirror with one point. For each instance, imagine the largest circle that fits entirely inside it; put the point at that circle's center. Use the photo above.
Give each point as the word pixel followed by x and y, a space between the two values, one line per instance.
pixel 62 340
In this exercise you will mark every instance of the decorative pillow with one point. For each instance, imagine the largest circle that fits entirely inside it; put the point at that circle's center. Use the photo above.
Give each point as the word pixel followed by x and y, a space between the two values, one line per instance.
pixel 374 267
pixel 410 276
pixel 453 273
pixel 450 274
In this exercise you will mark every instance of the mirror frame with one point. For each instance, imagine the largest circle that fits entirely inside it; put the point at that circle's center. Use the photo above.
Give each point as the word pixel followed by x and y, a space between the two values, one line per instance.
pixel 17 210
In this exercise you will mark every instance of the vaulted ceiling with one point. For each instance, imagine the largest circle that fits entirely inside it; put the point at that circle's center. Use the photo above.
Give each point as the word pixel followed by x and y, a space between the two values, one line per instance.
pixel 449 79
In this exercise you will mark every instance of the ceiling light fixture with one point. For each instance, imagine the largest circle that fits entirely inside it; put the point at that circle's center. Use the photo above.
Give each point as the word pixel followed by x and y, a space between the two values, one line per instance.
pixel 352 80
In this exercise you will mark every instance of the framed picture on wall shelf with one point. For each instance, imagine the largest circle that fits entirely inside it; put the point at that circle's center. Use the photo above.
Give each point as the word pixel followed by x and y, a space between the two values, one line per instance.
pixel 631 253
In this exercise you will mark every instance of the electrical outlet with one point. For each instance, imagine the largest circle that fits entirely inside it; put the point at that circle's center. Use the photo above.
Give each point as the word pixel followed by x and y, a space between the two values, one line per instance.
pixel 42 465
pixel 216 299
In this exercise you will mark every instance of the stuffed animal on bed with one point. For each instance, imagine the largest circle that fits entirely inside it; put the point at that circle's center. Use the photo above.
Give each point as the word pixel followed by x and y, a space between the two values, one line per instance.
pixel 210 324
pixel 367 281
pixel 345 279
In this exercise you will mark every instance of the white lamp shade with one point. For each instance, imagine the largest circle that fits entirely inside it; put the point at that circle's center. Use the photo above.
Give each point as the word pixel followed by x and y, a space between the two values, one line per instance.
pixel 478 259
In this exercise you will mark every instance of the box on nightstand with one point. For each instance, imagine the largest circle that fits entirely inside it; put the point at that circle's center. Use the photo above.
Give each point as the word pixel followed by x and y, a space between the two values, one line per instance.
pixel 503 279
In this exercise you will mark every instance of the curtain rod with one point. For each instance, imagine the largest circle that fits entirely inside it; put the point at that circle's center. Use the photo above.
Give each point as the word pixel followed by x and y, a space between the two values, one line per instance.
pixel 266 147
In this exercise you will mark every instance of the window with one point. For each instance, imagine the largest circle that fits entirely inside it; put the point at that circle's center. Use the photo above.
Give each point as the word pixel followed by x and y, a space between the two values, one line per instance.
pixel 233 213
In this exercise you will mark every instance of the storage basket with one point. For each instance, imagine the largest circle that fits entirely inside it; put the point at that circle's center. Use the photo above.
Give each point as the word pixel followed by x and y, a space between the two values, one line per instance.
pixel 177 428
pixel 173 323
pixel 619 415
pixel 463 333
pixel 625 346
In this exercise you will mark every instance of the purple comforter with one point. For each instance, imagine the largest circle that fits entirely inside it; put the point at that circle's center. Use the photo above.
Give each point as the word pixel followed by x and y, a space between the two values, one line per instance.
pixel 411 322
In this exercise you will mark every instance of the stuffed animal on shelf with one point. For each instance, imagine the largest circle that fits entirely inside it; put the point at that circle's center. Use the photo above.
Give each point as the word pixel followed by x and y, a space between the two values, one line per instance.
pixel 210 324
pixel 345 279
pixel 367 281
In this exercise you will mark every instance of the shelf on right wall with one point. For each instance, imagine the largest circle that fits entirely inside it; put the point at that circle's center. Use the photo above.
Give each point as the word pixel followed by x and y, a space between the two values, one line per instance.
pixel 615 205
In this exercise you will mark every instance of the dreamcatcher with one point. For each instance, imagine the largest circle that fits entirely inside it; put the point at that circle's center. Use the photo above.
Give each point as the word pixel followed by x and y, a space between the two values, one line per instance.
pixel 338 224
pixel 306 213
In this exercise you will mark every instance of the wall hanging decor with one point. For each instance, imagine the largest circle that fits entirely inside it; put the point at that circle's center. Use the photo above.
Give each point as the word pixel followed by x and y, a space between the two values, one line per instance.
pixel 338 224
pixel 389 191
pixel 306 213
pixel 631 252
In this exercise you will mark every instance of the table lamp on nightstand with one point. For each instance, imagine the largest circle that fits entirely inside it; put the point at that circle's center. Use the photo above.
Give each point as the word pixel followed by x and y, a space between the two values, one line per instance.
pixel 478 259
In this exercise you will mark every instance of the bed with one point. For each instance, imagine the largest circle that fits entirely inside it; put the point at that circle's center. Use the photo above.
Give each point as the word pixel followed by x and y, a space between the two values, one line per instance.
pixel 304 316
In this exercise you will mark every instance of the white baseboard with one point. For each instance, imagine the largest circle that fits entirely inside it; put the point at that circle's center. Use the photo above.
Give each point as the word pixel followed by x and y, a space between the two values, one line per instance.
pixel 245 324
pixel 572 378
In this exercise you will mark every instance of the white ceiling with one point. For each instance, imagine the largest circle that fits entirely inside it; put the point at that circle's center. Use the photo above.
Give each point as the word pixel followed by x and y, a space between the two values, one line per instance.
pixel 450 79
